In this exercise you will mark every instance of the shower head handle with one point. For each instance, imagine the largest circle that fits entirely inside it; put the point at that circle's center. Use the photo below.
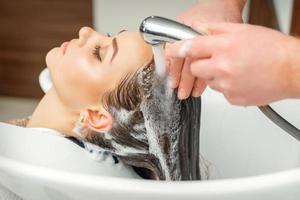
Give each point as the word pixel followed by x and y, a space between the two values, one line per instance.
pixel 156 30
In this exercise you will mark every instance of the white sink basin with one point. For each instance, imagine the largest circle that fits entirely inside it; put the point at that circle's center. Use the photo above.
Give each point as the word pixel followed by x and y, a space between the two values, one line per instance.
pixel 249 158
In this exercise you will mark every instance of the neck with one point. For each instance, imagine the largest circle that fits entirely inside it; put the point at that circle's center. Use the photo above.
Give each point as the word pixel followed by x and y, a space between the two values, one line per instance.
pixel 52 113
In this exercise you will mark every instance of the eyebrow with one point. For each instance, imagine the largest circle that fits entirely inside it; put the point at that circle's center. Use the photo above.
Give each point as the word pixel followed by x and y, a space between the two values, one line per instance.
pixel 115 47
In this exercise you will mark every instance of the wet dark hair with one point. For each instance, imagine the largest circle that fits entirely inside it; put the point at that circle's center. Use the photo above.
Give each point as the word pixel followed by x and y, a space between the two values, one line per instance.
pixel 127 138
pixel 128 96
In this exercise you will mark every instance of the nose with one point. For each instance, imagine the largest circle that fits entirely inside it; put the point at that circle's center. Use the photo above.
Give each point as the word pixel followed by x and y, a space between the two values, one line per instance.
pixel 84 34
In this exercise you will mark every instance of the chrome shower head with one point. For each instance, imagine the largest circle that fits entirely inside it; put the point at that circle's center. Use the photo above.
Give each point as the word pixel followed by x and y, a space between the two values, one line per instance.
pixel 156 30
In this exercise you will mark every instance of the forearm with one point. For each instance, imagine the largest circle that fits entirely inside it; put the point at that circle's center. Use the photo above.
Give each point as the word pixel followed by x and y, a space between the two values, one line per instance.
pixel 232 4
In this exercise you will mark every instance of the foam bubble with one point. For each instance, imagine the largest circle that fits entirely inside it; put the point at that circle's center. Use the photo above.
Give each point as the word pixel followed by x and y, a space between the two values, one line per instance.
pixel 162 121
pixel 122 115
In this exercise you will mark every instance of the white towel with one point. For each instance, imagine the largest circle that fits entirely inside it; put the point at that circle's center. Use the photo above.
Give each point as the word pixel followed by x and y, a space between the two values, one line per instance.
pixel 6 194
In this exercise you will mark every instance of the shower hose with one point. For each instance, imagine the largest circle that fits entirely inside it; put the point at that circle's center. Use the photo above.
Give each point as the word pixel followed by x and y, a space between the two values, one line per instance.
pixel 280 121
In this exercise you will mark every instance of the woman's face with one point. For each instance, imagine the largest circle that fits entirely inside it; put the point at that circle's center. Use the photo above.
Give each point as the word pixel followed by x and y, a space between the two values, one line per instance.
pixel 83 69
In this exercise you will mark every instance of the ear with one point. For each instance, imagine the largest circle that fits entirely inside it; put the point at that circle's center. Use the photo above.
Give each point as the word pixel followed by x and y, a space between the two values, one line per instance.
pixel 98 120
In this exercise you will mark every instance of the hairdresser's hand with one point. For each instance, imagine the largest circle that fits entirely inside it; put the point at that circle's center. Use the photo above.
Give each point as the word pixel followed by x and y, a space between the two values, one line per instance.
pixel 204 11
pixel 250 65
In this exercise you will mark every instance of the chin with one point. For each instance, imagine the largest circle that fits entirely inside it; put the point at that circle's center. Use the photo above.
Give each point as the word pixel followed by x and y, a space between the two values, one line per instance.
pixel 52 57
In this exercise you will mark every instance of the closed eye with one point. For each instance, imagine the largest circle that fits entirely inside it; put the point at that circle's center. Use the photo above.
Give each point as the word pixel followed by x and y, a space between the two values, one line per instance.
pixel 96 53
pixel 121 31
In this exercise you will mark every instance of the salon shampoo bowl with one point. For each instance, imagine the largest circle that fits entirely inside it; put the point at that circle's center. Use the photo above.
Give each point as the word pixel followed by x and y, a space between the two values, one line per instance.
pixel 248 158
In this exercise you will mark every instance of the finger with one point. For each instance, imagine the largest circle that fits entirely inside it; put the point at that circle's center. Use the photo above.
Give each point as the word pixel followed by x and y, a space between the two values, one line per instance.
pixel 214 87
pixel 203 69
pixel 184 19
pixel 174 67
pixel 199 87
pixel 180 19
pixel 186 81
pixel 217 28
pixel 214 84
pixel 198 47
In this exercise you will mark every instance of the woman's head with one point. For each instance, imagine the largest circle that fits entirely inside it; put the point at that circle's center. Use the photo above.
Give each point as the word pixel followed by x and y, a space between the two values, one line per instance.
pixel 85 69
pixel 113 89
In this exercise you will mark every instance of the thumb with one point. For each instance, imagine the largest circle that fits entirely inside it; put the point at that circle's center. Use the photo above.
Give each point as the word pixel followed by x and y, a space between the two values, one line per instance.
pixel 217 28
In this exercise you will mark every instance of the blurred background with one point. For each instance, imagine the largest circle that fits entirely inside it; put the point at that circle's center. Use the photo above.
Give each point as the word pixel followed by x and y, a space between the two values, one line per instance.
pixel 30 28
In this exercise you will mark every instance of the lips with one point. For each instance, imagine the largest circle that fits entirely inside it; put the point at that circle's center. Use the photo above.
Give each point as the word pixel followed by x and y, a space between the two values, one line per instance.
pixel 64 47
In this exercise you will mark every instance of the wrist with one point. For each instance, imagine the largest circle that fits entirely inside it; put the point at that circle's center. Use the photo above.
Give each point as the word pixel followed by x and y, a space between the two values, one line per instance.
pixel 294 68
pixel 232 9
pixel 240 4
pixel 234 4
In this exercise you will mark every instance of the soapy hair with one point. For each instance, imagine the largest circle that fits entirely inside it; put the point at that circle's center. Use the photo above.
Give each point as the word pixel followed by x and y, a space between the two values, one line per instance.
pixel 127 137
pixel 137 119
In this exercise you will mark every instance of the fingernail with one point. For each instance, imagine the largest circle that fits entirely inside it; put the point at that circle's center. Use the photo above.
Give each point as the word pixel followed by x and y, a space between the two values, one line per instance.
pixel 185 47
pixel 182 94
pixel 172 83
pixel 196 93
pixel 167 63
